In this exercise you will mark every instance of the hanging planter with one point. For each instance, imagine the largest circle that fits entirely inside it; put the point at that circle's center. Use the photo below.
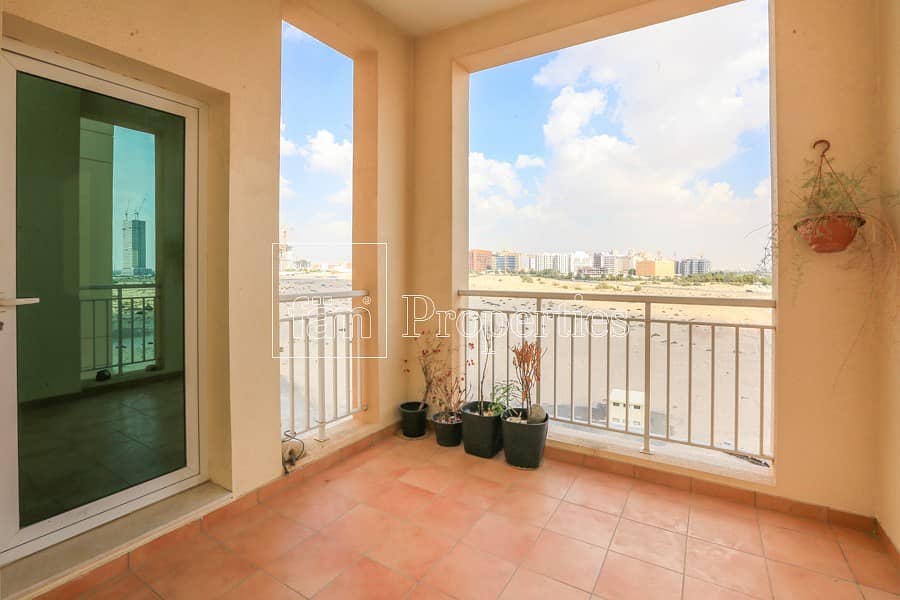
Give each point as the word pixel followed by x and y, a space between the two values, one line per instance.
pixel 834 215
pixel 831 232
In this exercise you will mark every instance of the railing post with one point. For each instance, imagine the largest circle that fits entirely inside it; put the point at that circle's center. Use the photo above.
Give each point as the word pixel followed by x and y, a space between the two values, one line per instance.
pixel 320 330
pixel 646 407
pixel 119 318
pixel 537 340
pixel 292 428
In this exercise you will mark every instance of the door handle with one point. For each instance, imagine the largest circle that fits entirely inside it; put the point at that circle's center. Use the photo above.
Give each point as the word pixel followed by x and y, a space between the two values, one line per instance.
pixel 6 303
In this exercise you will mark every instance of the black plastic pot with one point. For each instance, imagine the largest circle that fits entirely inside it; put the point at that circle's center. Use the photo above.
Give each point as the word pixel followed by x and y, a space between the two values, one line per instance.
pixel 447 434
pixel 482 435
pixel 413 419
pixel 523 443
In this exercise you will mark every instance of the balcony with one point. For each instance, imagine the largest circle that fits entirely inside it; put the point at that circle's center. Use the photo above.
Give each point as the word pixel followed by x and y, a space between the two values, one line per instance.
pixel 410 519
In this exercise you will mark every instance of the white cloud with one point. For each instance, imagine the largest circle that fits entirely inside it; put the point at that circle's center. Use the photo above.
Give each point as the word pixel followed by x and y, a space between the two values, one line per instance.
pixel 288 148
pixel 325 154
pixel 525 161
pixel 679 95
pixel 286 190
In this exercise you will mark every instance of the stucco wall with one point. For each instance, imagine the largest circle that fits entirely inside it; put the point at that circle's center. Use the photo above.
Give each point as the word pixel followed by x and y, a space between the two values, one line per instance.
pixel 824 86
pixel 888 508
pixel 228 55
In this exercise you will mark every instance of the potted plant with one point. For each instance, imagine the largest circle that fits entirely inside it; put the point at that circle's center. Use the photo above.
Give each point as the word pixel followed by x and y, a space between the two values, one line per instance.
pixel 482 433
pixel 525 427
pixel 832 200
pixel 430 357
pixel 450 394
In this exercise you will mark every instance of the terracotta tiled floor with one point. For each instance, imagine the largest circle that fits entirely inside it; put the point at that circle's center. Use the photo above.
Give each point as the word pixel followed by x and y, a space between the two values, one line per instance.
pixel 408 519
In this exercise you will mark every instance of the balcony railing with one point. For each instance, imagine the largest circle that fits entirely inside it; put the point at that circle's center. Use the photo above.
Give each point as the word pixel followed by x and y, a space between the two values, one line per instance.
pixel 319 342
pixel 619 362
pixel 118 327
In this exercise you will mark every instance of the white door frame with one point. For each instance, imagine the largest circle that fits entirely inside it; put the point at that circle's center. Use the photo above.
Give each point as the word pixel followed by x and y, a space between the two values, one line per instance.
pixel 15 542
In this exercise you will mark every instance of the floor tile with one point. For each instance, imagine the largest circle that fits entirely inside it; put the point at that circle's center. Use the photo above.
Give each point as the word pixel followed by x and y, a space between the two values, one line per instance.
pixel 313 508
pixel 650 505
pixel 503 537
pixel 626 578
pixel 571 561
pixel 159 557
pixel 401 499
pixel 367 580
pixel 311 566
pixel 260 540
pixel 424 591
pixel 697 589
pixel 812 552
pixel 600 491
pixel 873 594
pixel 470 574
pixel 474 491
pixel 585 524
pixel 261 585
pixel 206 574
pixel 714 504
pixel 360 485
pixel 853 538
pixel 728 530
pixel 793 582
pixel 448 516
pixel 412 549
pixel 771 518
pixel 528 585
pixel 650 544
pixel 125 587
pixel 874 569
pixel 547 481
pixel 89 581
pixel 433 478
pixel 360 529
pixel 525 506
pixel 729 568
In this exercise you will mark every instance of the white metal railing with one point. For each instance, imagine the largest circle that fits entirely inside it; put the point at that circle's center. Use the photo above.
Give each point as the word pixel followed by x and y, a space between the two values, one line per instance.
pixel 118 326
pixel 659 377
pixel 320 336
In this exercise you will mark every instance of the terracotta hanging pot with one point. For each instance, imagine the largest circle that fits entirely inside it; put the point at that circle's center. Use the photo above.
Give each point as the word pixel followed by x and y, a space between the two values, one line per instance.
pixel 831 232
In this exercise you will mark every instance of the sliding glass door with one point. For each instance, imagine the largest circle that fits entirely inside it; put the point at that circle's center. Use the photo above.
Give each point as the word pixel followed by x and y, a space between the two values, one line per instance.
pixel 96 300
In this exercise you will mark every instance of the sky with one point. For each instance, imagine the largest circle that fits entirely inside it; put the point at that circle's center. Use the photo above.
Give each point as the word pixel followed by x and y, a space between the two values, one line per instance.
pixel 134 187
pixel 655 139
pixel 316 147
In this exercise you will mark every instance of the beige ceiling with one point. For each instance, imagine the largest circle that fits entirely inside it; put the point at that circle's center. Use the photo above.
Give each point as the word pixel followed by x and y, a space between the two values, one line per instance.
pixel 420 17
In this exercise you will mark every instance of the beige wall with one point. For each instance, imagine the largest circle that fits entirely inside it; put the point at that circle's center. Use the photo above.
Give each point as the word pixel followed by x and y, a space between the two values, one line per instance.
pixel 824 74
pixel 888 506
pixel 186 55
pixel 240 81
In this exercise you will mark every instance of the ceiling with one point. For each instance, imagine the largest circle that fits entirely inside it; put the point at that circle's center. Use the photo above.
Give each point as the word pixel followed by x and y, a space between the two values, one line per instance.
pixel 420 17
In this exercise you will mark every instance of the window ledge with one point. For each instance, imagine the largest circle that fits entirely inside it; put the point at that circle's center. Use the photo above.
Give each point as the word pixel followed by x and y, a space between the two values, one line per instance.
pixel 690 461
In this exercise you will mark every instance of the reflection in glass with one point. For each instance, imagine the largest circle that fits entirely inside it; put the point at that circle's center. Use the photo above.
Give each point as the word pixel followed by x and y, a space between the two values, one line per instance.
pixel 100 240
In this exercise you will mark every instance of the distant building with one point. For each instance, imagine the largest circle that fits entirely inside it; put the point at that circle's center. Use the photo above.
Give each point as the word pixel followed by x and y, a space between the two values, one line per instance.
pixel 481 260
pixel 658 267
pixel 631 412
pixel 134 247
pixel 506 261
pixel 694 266
pixel 613 263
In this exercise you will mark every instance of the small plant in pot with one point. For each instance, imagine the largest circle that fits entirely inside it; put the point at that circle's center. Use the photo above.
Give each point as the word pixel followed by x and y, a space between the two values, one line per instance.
pixel 430 356
pixel 450 394
pixel 482 432
pixel 832 199
pixel 525 427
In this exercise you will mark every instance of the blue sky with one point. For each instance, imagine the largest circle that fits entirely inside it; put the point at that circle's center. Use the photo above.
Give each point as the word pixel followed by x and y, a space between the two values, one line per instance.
pixel 316 146
pixel 134 187
pixel 655 139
